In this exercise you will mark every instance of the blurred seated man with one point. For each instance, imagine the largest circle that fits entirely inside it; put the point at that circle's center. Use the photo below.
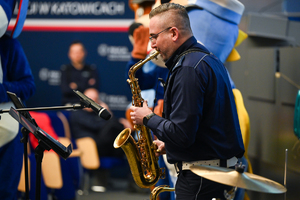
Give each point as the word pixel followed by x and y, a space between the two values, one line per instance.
pixel 77 75
pixel 86 123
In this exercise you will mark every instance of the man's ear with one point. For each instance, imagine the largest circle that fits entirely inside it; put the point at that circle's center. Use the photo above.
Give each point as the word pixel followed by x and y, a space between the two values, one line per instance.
pixel 175 33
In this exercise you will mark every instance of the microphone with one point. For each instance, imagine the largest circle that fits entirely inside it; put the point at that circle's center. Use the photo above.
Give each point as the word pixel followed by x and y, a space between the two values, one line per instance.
pixel 101 112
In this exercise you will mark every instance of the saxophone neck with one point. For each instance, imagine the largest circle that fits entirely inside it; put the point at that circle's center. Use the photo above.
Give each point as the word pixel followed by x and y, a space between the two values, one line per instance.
pixel 138 65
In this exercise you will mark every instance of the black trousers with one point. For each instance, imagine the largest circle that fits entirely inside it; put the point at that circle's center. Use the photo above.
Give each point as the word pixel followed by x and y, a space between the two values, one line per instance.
pixel 190 186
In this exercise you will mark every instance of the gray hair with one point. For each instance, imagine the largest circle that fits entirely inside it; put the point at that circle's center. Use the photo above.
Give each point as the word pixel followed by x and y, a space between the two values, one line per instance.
pixel 173 15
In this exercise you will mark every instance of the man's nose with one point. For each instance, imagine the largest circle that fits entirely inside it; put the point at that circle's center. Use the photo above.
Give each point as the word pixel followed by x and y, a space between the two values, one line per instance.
pixel 153 45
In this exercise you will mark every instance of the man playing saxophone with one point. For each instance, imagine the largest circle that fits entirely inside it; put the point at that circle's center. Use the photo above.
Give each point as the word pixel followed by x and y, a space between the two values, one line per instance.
pixel 200 123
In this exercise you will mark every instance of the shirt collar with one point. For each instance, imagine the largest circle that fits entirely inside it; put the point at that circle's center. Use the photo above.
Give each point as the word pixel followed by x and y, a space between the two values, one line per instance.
pixel 186 45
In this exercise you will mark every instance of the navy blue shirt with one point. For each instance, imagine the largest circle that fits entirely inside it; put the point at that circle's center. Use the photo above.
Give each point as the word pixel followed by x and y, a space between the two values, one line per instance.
pixel 201 121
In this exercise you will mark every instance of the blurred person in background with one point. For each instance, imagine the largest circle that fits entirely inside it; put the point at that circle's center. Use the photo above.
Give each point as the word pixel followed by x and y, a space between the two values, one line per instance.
pixel 77 75
pixel 86 123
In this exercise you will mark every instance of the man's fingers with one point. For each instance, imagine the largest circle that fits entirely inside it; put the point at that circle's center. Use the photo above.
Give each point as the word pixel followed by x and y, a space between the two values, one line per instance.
pixel 133 108
pixel 145 104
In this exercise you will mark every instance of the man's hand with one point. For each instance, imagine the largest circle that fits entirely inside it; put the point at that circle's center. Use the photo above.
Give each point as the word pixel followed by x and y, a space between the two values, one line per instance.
pixel 139 113
pixel 160 147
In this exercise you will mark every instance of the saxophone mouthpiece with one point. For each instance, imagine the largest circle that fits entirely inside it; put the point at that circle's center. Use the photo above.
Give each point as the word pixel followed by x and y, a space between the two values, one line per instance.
pixel 154 54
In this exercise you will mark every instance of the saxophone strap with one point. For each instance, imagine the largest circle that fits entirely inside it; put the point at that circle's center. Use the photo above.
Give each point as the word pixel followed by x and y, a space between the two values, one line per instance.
pixel 176 64
pixel 179 58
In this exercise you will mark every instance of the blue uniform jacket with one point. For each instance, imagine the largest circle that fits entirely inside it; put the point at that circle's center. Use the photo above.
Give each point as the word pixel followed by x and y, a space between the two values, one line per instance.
pixel 201 121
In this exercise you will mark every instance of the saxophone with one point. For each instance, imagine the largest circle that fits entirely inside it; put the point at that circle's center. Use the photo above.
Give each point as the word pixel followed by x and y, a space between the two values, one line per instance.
pixel 141 154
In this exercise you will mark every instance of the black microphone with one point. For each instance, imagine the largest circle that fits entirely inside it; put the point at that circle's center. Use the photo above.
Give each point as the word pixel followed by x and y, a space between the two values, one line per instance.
pixel 101 112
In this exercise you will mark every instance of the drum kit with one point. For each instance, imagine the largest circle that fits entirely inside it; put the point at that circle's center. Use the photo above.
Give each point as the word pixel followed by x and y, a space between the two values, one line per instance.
pixel 238 178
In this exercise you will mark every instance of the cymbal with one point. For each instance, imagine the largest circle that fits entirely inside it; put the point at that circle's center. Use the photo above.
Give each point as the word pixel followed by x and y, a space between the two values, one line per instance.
pixel 235 178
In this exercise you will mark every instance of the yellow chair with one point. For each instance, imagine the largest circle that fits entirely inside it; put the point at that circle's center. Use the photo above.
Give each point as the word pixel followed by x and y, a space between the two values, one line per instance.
pixel 51 170
pixel 66 140
pixel 244 123
pixel 86 151
pixel 21 186
pixel 89 154
pixel 89 159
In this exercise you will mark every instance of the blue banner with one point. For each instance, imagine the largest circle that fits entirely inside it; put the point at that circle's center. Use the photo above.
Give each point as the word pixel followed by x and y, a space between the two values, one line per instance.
pixel 78 9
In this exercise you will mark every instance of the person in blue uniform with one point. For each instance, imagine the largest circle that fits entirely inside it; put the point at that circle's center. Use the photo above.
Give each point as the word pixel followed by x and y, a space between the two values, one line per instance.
pixel 200 122
pixel 16 77
pixel 225 15
pixel 77 75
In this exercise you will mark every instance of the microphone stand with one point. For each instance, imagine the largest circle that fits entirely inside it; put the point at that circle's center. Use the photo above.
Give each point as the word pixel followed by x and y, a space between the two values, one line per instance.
pixel 39 154
pixel 24 140
pixel 75 106
pixel 39 150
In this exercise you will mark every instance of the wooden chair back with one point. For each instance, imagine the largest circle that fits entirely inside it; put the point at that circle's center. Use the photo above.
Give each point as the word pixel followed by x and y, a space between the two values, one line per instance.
pixel 89 154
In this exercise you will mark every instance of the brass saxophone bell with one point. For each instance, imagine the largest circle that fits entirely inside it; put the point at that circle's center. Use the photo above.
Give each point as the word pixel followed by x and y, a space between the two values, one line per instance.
pixel 122 138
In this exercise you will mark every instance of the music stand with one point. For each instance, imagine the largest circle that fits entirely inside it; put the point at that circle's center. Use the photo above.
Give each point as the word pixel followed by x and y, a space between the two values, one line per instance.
pixel 19 104
pixel 46 142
